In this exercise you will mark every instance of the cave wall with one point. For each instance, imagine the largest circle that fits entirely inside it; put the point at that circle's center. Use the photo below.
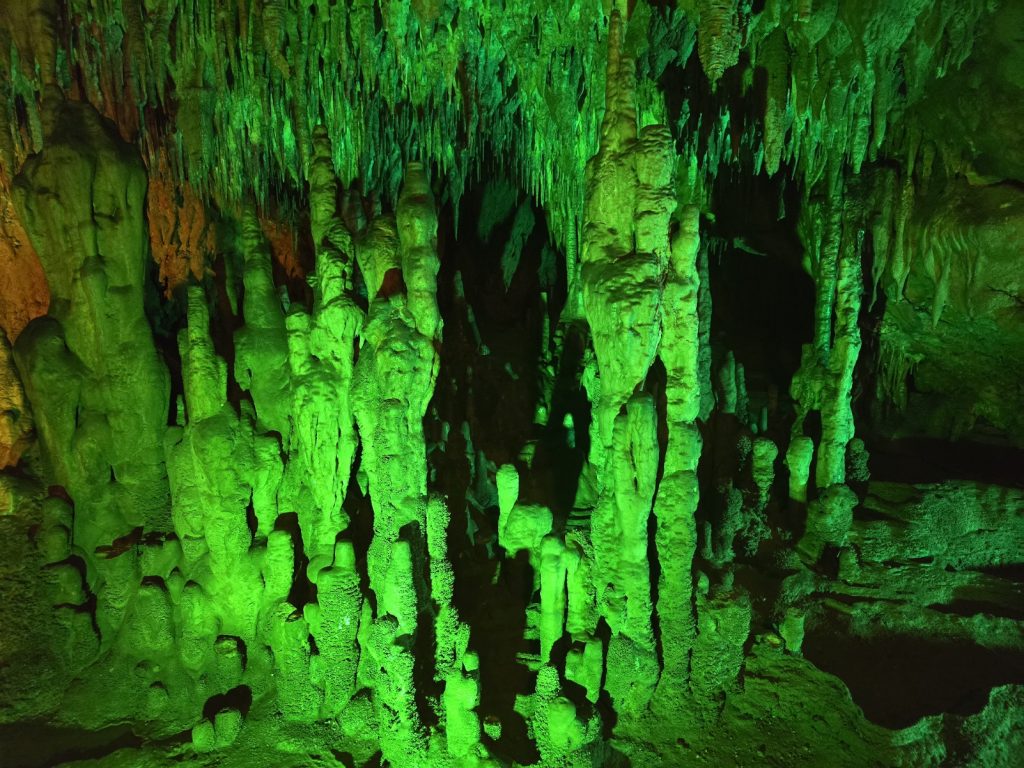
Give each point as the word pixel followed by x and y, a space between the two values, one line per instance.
pixel 511 383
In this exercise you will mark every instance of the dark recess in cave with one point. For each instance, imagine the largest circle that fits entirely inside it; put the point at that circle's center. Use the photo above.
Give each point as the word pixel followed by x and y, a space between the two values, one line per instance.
pixel 932 460
pixel 762 300
pixel 360 529
pixel 239 697
pixel 167 316
pixel 302 590
pixel 762 311
pixel 509 322
pixel 481 390
pixel 898 679
pixel 40 745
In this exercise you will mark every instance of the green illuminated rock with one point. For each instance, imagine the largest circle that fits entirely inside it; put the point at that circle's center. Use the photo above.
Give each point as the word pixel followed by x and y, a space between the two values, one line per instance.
pixel 500 384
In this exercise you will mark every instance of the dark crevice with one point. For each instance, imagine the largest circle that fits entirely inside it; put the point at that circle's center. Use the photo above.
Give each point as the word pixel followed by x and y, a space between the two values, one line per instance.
pixel 931 460
pixel 302 591
pixel 481 416
pixel 898 679
pixel 656 385
pixel 41 745
pixel 239 698
pixel 167 317
pixel 224 323
pixel 359 509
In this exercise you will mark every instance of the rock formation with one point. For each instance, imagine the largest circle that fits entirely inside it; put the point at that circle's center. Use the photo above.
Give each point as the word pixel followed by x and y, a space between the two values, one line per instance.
pixel 503 384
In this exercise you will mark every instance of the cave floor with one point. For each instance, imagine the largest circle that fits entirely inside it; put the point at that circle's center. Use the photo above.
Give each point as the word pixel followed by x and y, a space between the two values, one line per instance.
pixel 787 713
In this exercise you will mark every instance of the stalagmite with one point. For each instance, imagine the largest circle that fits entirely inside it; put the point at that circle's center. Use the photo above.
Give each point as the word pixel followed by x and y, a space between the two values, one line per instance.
pixel 825 383
pixel 678 495
pixel 333 622
pixel 393 382
pixel 620 552
pixel 93 358
pixel 625 253
pixel 763 468
pixel 552 594
pixel 837 414
pixel 322 363
pixel 261 356
pixel 717 656
pixel 798 461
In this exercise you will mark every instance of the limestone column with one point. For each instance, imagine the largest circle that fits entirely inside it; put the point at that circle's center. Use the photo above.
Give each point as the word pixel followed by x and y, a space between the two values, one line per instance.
pixel 629 204
pixel 392 386
pixel 678 493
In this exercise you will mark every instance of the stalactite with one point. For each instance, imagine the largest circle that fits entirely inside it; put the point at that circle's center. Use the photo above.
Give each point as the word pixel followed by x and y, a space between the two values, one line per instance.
pixel 774 58
pixel 180 236
pixel 718 37
pixel 621 282
pixel 275 16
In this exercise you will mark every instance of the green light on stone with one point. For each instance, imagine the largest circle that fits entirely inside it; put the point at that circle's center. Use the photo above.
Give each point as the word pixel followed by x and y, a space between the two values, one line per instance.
pixel 484 384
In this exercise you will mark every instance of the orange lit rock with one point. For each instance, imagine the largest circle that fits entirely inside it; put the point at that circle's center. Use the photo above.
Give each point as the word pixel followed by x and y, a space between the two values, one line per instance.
pixel 15 416
pixel 24 294
pixel 283 246
pixel 180 234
